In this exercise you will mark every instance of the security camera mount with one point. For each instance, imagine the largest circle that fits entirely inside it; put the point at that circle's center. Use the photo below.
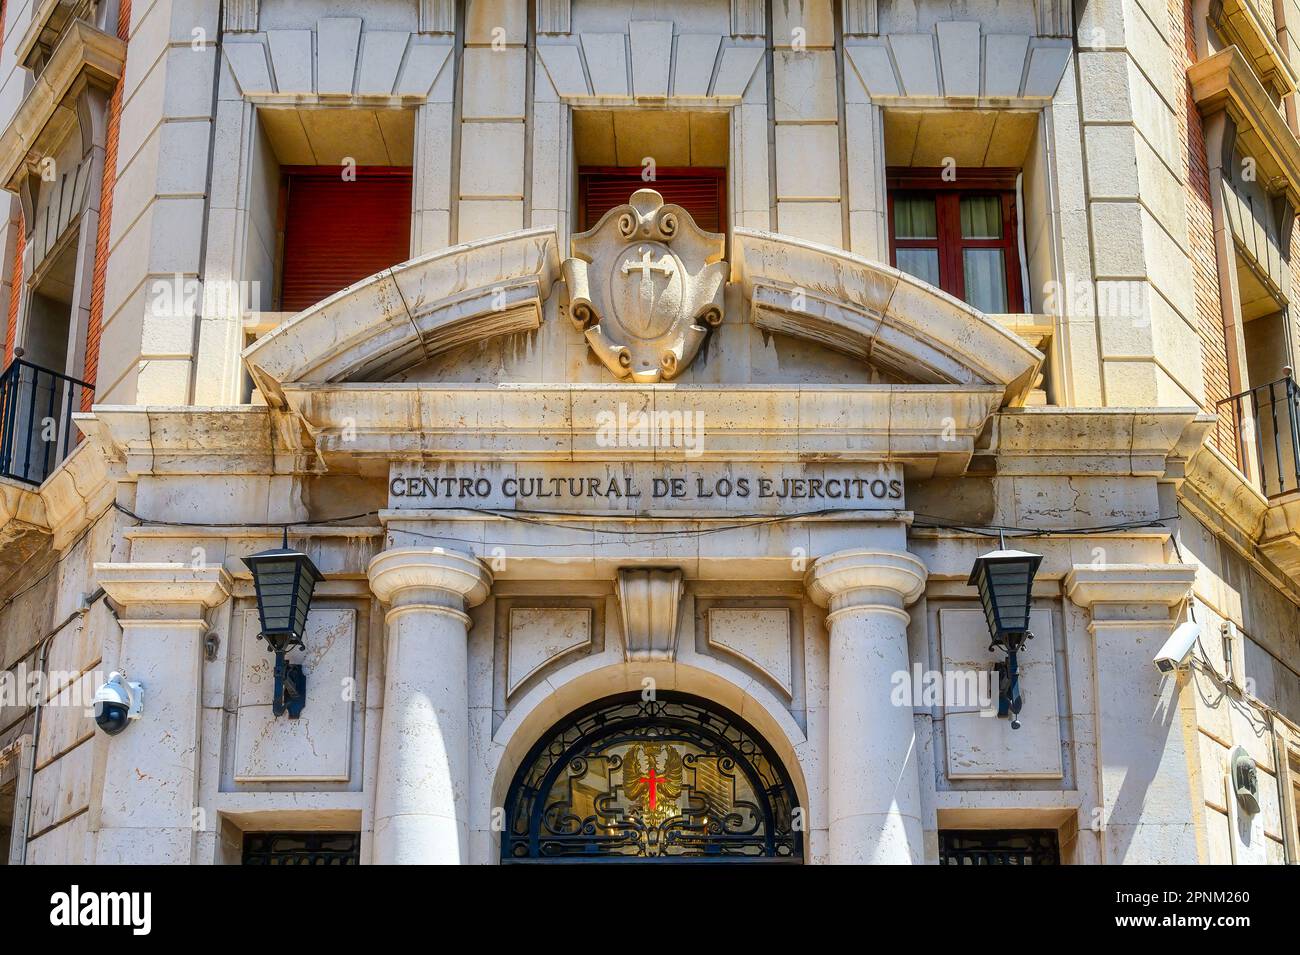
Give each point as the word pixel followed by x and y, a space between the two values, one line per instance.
pixel 136 709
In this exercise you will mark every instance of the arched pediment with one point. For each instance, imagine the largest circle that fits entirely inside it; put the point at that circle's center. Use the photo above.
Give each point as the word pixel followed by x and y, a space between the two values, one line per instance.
pixel 398 319
pixel 404 315
pixel 876 313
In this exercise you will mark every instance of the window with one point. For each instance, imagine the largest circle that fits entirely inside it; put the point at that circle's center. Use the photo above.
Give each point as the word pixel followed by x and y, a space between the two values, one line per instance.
pixel 7 821
pixel 958 236
pixel 338 231
pixel 685 151
pixel 15 774
pixel 999 847
pixel 662 780
pixel 37 396
pixel 302 848
pixel 701 192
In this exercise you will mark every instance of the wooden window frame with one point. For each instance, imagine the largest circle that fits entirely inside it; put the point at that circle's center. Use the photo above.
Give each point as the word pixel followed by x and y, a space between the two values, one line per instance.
pixel 949 242
pixel 662 172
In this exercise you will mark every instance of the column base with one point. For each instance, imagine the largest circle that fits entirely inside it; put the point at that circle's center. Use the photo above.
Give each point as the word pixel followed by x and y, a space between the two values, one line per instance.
pixel 876 839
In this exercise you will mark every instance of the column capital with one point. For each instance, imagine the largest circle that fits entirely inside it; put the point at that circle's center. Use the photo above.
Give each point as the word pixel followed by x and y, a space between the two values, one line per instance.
pixel 850 577
pixel 1089 585
pixel 174 591
pixel 406 575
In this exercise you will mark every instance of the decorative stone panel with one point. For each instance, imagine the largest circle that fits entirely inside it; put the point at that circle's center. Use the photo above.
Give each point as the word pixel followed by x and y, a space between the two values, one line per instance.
pixel 758 635
pixel 317 745
pixel 979 745
pixel 538 635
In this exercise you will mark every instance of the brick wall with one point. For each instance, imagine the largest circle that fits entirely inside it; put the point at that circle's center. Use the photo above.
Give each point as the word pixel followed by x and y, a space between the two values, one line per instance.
pixel 96 320
pixel 15 288
pixel 1200 230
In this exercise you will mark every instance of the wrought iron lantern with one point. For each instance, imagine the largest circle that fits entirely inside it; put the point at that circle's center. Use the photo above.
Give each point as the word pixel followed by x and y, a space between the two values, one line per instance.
pixel 285 580
pixel 1005 579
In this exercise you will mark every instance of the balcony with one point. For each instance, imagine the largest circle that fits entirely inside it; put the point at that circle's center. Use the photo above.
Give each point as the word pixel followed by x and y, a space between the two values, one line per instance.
pixel 84 57
pixel 1252 27
pixel 36 430
pixel 1264 423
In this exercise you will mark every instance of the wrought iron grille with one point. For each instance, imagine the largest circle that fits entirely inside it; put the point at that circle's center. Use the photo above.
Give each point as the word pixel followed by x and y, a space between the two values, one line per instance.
pixel 998 847
pixel 1266 422
pixel 672 779
pixel 302 848
pixel 36 430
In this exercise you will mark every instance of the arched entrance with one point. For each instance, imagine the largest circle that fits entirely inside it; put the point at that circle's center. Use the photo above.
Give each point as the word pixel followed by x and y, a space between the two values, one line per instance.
pixel 677 778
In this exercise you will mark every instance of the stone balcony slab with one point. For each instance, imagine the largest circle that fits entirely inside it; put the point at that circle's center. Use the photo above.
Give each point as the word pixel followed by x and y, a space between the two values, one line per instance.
pixel 1227 81
pixel 84 56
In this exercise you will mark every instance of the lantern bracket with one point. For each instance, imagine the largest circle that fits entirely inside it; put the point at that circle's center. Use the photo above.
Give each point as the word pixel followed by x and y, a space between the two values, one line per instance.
pixel 290 688
pixel 1009 699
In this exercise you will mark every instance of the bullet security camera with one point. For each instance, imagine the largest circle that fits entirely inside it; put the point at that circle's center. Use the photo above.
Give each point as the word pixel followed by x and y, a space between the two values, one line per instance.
pixel 117 702
pixel 1178 648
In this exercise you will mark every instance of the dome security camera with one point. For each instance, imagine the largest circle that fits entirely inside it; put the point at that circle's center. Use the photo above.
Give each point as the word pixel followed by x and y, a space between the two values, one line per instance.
pixel 117 702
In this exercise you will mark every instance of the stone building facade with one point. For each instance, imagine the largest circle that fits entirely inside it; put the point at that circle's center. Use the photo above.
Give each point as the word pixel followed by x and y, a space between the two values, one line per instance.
pixel 644 382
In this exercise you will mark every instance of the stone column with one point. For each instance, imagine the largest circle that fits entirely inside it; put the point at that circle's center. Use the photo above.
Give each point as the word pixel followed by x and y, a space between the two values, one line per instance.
pixel 1146 814
pixel 151 779
pixel 874 793
pixel 421 803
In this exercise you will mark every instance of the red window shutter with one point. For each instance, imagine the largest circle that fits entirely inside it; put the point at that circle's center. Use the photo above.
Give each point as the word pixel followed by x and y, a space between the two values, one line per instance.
pixel 701 192
pixel 338 232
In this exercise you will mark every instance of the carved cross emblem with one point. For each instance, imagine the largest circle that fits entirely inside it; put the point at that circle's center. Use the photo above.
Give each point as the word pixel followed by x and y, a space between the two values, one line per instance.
pixel 664 265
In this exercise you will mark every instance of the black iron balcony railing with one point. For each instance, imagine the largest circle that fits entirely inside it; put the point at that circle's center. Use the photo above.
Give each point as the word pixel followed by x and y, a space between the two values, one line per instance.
pixel 1266 422
pixel 36 430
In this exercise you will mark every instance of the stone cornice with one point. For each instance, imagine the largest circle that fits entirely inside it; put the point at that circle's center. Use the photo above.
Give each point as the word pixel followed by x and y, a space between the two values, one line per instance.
pixel 83 56
pixel 1221 488
pixel 150 590
pixel 350 427
pixel 1168 584
pixel 237 439
pixel 49 17
pixel 1243 24
pixel 55 513
pixel 359 428
pixel 929 429
pixel 1128 441
pixel 1227 81
pixel 1265 533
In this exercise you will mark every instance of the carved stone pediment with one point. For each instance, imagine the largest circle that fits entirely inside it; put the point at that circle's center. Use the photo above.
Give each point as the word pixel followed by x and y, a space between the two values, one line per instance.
pixel 645 286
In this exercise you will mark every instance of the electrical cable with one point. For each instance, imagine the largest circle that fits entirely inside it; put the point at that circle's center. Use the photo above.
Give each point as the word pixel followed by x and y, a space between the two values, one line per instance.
pixel 741 522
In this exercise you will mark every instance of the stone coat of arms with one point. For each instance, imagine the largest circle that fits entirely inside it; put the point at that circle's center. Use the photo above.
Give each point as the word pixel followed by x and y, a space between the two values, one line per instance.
pixel 645 286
